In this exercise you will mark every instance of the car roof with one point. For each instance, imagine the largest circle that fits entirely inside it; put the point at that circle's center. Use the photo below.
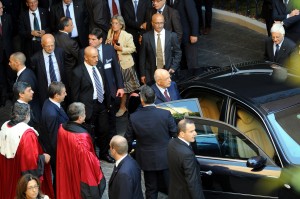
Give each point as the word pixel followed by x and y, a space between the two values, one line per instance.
pixel 258 82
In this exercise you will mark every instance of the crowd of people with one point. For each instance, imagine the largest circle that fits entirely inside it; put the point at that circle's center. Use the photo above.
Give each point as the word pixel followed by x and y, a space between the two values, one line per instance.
pixel 64 66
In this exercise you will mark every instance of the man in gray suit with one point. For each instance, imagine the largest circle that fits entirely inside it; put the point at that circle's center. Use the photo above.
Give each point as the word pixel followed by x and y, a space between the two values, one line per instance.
pixel 160 49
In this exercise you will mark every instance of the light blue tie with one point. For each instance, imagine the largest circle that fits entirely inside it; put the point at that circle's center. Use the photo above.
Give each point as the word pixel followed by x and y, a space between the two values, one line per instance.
pixel 135 8
pixel 51 70
pixel 98 85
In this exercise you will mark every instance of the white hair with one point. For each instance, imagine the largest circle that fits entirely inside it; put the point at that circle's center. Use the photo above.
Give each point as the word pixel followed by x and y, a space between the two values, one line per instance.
pixel 277 27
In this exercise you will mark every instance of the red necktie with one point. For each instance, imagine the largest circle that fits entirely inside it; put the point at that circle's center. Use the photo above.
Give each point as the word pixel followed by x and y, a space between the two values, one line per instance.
pixel 114 8
pixel 167 96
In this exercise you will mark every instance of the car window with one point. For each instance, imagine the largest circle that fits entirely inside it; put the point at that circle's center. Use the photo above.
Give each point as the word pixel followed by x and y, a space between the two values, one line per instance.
pixel 252 127
pixel 181 108
pixel 223 141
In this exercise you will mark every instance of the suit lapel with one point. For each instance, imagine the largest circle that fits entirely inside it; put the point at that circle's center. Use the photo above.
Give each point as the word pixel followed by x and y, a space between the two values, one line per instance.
pixel 115 172
pixel 152 42
pixel 42 63
pixel 159 95
pixel 282 50
pixel 86 74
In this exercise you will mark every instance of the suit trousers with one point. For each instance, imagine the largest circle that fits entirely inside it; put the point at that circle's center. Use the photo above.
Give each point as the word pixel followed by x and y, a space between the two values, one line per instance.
pixel 154 180
pixel 100 126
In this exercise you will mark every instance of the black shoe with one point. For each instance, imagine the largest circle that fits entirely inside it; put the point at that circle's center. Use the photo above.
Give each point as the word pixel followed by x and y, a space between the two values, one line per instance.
pixel 107 158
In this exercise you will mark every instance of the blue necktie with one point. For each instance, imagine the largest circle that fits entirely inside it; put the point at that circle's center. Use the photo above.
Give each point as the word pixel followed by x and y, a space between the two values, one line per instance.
pixel 98 85
pixel 68 15
pixel 36 25
pixel 135 8
pixel 51 70
pixel 277 50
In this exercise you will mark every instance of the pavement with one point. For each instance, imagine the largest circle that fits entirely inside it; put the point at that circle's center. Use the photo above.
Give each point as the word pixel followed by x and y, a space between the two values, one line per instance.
pixel 227 43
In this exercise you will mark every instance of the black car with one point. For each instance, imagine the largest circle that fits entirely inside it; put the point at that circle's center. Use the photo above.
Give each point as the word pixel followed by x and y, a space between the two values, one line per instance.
pixel 248 130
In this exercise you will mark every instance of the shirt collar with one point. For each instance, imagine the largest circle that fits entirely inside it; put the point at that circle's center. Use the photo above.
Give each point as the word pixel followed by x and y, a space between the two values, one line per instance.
pixel 184 141
pixel 162 32
pixel 20 71
pixel 56 103
pixel 119 160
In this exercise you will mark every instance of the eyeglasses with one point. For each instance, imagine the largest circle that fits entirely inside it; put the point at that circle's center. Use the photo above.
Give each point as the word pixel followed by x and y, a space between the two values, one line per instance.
pixel 34 187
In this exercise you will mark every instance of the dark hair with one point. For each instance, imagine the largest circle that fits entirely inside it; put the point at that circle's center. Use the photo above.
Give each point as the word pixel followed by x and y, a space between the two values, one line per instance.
pixel 55 88
pixel 63 22
pixel 19 87
pixel 75 110
pixel 19 113
pixel 147 94
pixel 97 32
pixel 22 186
pixel 182 125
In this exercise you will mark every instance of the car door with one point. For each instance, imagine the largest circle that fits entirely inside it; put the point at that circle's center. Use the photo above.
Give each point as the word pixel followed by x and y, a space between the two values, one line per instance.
pixel 222 152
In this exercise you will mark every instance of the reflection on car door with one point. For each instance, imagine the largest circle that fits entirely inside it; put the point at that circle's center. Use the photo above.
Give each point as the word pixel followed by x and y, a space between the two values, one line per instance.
pixel 222 149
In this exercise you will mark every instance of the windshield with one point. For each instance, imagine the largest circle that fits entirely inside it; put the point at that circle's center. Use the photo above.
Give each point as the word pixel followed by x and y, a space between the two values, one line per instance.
pixel 287 126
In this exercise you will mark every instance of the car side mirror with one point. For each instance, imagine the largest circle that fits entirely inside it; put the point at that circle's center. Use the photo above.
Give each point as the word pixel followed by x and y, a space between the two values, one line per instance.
pixel 256 162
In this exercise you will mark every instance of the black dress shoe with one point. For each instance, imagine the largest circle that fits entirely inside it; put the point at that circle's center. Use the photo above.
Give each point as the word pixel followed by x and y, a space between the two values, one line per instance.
pixel 107 158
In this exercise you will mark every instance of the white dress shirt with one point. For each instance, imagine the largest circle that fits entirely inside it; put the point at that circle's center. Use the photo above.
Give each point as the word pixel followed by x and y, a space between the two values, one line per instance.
pixel 90 71
pixel 55 65
pixel 72 14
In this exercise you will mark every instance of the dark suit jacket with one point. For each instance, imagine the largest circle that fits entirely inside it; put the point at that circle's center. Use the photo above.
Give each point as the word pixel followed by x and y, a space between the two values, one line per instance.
pixel 286 49
pixel 81 17
pixel 99 14
pixel 188 17
pixel 6 37
pixel 185 178
pixel 28 76
pixel 173 92
pixel 172 20
pixel 132 26
pixel 71 52
pixel 25 28
pixel 148 54
pixel 125 181
pixel 152 128
pixel 82 85
pixel 292 24
pixel 52 117
pixel 39 67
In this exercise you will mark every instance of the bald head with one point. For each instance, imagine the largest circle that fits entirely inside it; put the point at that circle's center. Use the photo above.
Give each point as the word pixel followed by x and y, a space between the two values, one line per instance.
pixel 158 22
pixel 48 43
pixel 91 55
pixel 119 144
pixel 162 78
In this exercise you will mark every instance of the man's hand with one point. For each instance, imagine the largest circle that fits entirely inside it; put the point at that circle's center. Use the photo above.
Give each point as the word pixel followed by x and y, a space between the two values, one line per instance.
pixel 294 13
pixel 120 92
pixel 144 26
pixel 143 79
pixel 47 158
pixel 193 39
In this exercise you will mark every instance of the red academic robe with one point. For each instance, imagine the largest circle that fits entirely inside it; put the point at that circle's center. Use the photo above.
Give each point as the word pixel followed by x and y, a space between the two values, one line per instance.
pixel 27 160
pixel 78 172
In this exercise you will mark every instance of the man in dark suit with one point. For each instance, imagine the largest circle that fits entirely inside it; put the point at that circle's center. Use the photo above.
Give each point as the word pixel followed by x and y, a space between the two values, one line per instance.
pixel 78 12
pixel 190 26
pixel 99 15
pixel 288 13
pixel 165 89
pixel 48 65
pixel 53 116
pixel 96 83
pixel 125 180
pixel 279 48
pixel 6 74
pixel 185 178
pixel 160 49
pixel 70 46
pixel 24 74
pixel 172 19
pixel 152 128
pixel 34 23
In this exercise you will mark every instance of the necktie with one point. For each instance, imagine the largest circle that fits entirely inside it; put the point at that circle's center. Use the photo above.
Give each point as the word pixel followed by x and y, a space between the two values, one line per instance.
pixel 114 7
pixel 285 2
pixel 167 96
pixel 51 70
pixel 98 85
pixel 36 25
pixel 68 11
pixel 135 9
pixel 277 50
pixel 159 11
pixel 159 54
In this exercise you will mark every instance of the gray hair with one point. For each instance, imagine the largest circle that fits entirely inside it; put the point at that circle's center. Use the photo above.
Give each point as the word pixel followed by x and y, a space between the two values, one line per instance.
pixel 19 56
pixel 19 113
pixel 19 88
pixel 75 110
pixel 277 27
pixel 147 94
pixel 119 143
